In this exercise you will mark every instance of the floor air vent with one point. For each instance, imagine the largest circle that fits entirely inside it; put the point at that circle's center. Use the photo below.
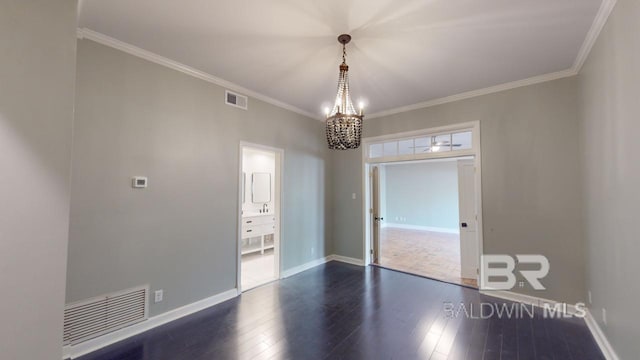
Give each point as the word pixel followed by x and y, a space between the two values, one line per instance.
pixel 237 100
pixel 103 314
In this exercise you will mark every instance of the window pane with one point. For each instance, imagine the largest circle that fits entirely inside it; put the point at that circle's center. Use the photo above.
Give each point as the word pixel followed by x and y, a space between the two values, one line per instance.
pixel 462 141
pixel 391 148
pixel 422 145
pixel 441 143
pixel 375 151
pixel 405 147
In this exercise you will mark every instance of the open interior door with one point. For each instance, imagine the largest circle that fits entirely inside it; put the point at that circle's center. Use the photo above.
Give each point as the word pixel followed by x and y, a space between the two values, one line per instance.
pixel 375 214
pixel 469 249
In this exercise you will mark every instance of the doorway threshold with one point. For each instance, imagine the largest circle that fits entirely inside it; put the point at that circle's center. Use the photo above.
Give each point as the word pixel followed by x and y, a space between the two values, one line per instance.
pixel 425 277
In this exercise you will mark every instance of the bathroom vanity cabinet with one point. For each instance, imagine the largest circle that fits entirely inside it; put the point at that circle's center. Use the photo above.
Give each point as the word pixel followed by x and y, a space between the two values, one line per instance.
pixel 257 233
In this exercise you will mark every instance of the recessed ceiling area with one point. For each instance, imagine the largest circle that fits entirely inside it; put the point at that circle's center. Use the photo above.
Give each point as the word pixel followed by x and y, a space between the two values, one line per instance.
pixel 402 52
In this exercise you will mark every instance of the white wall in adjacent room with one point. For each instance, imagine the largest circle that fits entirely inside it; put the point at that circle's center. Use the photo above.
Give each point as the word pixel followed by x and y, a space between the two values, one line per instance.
pixel 423 194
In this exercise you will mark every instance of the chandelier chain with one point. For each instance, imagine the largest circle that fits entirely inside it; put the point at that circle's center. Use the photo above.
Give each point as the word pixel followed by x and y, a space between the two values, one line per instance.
pixel 344 54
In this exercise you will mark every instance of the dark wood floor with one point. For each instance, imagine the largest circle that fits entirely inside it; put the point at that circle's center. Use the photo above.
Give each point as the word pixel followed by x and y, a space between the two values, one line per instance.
pixel 340 311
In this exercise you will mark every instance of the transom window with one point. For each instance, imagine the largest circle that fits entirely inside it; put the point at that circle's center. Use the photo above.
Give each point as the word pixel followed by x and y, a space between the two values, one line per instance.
pixel 421 145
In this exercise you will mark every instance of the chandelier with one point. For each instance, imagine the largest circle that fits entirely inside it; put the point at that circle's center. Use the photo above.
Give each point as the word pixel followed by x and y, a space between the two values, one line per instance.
pixel 344 124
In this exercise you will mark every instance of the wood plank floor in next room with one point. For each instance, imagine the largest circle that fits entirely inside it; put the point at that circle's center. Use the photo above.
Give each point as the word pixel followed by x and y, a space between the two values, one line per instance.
pixel 341 311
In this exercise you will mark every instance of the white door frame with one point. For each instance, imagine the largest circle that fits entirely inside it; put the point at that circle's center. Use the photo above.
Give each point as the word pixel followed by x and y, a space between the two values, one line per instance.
pixel 278 236
pixel 475 151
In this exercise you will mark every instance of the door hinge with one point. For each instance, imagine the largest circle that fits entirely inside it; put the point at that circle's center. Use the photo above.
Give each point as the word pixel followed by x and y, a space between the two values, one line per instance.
pixel 477 271
pixel 371 251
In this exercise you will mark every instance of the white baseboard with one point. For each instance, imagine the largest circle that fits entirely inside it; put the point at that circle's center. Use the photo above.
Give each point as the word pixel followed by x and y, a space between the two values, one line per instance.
pixel 526 299
pixel 424 228
pixel 72 352
pixel 592 324
pixel 314 263
pixel 306 266
pixel 348 260
pixel 88 346
pixel 155 321
pixel 75 351
pixel 600 337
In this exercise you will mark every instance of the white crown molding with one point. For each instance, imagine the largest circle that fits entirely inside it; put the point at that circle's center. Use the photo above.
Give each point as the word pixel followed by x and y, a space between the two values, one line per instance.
pixel 106 40
pixel 476 93
pixel 592 36
pixel 594 32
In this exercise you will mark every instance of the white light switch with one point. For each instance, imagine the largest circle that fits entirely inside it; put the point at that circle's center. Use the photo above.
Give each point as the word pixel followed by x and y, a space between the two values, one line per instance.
pixel 353 196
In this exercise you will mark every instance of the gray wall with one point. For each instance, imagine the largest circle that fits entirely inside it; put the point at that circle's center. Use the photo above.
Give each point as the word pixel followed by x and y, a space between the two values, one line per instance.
pixel 530 184
pixel 134 117
pixel 37 74
pixel 347 212
pixel 609 92
pixel 425 194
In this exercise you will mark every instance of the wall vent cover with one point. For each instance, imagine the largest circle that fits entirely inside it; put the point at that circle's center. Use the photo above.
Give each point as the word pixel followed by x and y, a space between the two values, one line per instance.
pixel 91 318
pixel 235 99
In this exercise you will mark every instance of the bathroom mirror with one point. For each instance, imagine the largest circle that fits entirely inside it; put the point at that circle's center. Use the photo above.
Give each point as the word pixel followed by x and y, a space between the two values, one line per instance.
pixel 261 188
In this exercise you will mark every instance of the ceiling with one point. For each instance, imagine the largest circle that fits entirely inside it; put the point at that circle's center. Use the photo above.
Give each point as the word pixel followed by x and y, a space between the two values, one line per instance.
pixel 402 52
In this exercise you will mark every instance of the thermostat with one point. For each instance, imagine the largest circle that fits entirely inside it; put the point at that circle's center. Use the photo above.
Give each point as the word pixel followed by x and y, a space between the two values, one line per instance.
pixel 139 181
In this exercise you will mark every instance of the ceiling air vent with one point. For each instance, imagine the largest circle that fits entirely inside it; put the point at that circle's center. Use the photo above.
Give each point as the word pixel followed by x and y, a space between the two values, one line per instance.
pixel 235 99
pixel 91 318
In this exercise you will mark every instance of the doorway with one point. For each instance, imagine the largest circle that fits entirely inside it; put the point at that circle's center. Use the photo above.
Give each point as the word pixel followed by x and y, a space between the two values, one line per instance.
pixel 259 228
pixel 419 206
pixel 423 205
